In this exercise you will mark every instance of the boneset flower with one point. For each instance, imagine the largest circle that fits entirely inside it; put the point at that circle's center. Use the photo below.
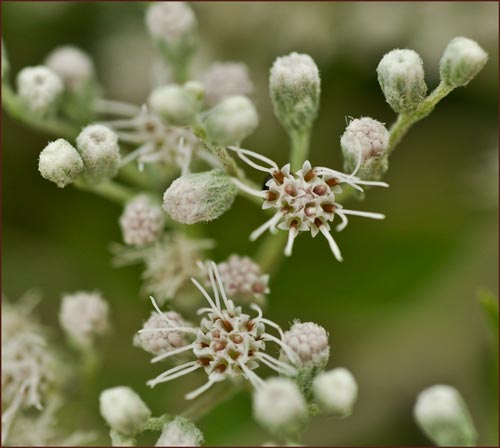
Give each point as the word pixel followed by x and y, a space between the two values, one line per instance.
pixel 60 163
pixel 72 65
pixel 401 78
pixel 199 197
pixel 84 317
pixel 142 221
pixel 442 415
pixel 335 392
pixel 304 201
pixel 310 343
pixel 39 88
pixel 180 432
pixel 229 344
pixel 225 79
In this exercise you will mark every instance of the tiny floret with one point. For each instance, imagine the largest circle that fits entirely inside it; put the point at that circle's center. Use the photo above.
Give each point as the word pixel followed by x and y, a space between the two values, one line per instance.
pixel 294 85
pixel 279 406
pixel 442 415
pixel 180 432
pixel 335 392
pixel 142 221
pixel 123 410
pixel 225 79
pixel 84 317
pixel 462 60
pixel 175 104
pixel 231 121
pixel 60 163
pixel 39 88
pixel 402 79
pixel 72 65
pixel 98 146
pixel 199 197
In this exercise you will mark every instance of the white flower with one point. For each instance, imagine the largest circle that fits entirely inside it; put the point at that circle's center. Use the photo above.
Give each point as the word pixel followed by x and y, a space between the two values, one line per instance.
pixel 279 406
pixel 305 200
pixel 229 344
pixel 123 410
pixel 72 65
pixel 142 221
pixel 60 163
pixel 335 391
pixel 160 342
pixel 224 79
pixel 310 342
pixel 180 432
pixel 39 87
pixel 170 22
pixel 84 317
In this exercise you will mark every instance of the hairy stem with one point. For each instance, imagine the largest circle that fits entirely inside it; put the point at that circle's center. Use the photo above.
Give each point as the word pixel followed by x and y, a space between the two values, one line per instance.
pixel 107 189
pixel 270 253
pixel 300 148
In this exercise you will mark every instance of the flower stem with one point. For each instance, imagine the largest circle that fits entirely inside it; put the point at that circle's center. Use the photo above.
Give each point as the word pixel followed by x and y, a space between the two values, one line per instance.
pixel 300 148
pixel 270 253
pixel 107 189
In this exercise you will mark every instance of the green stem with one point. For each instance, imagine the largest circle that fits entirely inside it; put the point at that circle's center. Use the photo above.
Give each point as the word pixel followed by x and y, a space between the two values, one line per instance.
pixel 300 148
pixel 157 423
pixel 210 400
pixel 270 254
pixel 107 189
pixel 13 105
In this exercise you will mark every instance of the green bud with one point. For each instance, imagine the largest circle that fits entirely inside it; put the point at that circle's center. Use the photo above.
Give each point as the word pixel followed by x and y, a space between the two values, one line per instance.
pixel 177 105
pixel 60 163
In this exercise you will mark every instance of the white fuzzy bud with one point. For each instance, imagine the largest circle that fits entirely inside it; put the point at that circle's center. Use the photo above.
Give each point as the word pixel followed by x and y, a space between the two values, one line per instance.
pixel 160 342
pixel 84 317
pixel 39 88
pixel 335 392
pixel 60 163
pixel 231 121
pixel 98 146
pixel 402 79
pixel 123 410
pixel 72 65
pixel 199 197
pixel 365 140
pixel 462 60
pixel 310 342
pixel 225 79
pixel 279 406
pixel 180 432
pixel 175 104
pixel 442 415
pixel 142 221
pixel 295 90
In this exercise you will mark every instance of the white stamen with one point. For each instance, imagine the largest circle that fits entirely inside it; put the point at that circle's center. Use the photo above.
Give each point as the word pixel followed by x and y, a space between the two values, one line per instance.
pixel 213 284
pixel 291 355
pixel 331 242
pixel 251 376
pixel 199 390
pixel 145 148
pixel 115 107
pixel 172 353
pixel 229 304
pixel 247 189
pixel 292 234
pixel 365 214
pixel 207 296
pixel 344 222
pixel 277 365
pixel 267 225
pixel 256 155
pixel 163 378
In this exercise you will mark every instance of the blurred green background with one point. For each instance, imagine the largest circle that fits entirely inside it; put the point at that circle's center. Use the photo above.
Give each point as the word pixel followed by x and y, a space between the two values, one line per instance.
pixel 401 309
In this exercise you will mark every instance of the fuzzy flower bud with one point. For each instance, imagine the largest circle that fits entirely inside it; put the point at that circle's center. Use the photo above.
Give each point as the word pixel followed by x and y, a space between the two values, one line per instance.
pixel 199 197
pixel 180 432
pixel 335 392
pixel 84 317
pixel 160 342
pixel 72 65
pixel 462 60
pixel 279 406
pixel 123 410
pixel 225 79
pixel 402 79
pixel 295 89
pixel 365 141
pixel 39 88
pixel 442 415
pixel 142 221
pixel 231 121
pixel 175 104
pixel 98 146
pixel 60 163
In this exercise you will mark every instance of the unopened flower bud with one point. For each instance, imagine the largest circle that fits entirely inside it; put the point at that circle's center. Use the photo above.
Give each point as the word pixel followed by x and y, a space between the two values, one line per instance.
pixel 84 317
pixel 180 432
pixel 231 121
pixel 175 104
pixel 199 197
pixel 72 65
pixel 142 221
pixel 402 79
pixel 98 146
pixel 39 88
pixel 295 90
pixel 196 89
pixel 335 392
pixel 225 79
pixel 365 141
pixel 462 60
pixel 60 163
pixel 442 415
pixel 279 407
pixel 123 410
